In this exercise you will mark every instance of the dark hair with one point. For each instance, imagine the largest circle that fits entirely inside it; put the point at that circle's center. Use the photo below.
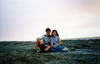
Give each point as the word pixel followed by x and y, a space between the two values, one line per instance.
pixel 54 31
pixel 48 29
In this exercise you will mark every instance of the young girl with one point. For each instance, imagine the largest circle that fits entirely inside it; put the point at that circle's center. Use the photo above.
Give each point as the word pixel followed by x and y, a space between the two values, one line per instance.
pixel 56 43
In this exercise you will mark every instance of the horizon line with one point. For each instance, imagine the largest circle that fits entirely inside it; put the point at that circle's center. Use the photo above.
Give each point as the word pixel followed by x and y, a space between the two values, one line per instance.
pixel 98 37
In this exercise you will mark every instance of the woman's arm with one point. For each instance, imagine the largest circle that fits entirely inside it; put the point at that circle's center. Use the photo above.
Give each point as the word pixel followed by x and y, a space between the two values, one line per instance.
pixel 59 41
pixel 51 43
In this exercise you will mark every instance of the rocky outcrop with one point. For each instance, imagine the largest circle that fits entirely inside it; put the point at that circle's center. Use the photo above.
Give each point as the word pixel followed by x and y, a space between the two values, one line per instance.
pixel 80 52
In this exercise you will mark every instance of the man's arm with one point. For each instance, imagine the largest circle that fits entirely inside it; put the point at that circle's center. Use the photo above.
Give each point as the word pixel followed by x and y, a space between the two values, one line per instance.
pixel 59 40
pixel 51 43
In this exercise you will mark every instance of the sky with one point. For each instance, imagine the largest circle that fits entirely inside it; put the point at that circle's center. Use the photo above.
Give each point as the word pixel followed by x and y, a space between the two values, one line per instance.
pixel 25 20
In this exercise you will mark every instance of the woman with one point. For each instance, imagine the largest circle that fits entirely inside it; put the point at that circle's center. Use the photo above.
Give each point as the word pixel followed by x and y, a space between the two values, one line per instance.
pixel 56 43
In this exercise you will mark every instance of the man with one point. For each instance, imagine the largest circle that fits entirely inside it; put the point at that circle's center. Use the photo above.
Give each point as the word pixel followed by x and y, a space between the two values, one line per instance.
pixel 44 42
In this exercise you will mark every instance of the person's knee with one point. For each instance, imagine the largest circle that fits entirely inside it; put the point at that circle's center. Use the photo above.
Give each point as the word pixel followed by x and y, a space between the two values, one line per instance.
pixel 41 43
pixel 38 39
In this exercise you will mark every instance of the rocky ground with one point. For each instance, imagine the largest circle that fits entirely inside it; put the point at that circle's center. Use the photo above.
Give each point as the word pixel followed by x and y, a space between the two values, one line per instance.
pixel 80 52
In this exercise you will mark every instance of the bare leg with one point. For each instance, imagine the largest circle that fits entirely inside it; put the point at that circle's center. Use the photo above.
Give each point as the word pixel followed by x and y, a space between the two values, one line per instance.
pixel 38 42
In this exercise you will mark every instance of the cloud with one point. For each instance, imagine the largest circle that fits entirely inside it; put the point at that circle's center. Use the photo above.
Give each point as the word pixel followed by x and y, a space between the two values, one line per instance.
pixel 27 20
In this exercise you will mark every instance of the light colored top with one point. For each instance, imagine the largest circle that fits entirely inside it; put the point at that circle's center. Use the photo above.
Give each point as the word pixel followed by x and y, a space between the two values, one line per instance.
pixel 46 39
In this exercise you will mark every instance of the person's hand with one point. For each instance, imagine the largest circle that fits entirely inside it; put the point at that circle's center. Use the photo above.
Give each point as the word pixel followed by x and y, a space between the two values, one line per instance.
pixel 54 46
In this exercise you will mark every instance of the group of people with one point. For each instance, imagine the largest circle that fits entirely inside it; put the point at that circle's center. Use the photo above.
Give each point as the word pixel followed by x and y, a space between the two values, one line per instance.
pixel 50 42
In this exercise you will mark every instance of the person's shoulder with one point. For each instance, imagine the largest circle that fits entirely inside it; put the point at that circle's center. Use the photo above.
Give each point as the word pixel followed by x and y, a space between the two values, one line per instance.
pixel 58 37
pixel 44 35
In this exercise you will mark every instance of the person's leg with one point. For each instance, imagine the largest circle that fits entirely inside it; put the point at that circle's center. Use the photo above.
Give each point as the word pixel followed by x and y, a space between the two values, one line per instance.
pixel 38 42
pixel 59 47
pixel 44 48
pixel 53 50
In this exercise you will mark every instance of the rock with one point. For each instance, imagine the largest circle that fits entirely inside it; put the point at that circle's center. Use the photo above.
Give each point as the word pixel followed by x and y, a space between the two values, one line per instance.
pixel 2 62
pixel 80 52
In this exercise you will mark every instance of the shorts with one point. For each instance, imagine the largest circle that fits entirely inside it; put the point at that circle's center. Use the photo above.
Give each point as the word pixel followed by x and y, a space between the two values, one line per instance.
pixel 42 47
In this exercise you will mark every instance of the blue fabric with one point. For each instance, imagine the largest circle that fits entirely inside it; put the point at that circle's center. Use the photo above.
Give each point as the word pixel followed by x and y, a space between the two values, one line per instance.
pixel 58 48
pixel 55 40
pixel 46 40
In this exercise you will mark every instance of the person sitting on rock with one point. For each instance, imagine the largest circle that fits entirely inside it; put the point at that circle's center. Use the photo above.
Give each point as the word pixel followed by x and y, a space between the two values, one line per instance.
pixel 44 42
pixel 56 43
